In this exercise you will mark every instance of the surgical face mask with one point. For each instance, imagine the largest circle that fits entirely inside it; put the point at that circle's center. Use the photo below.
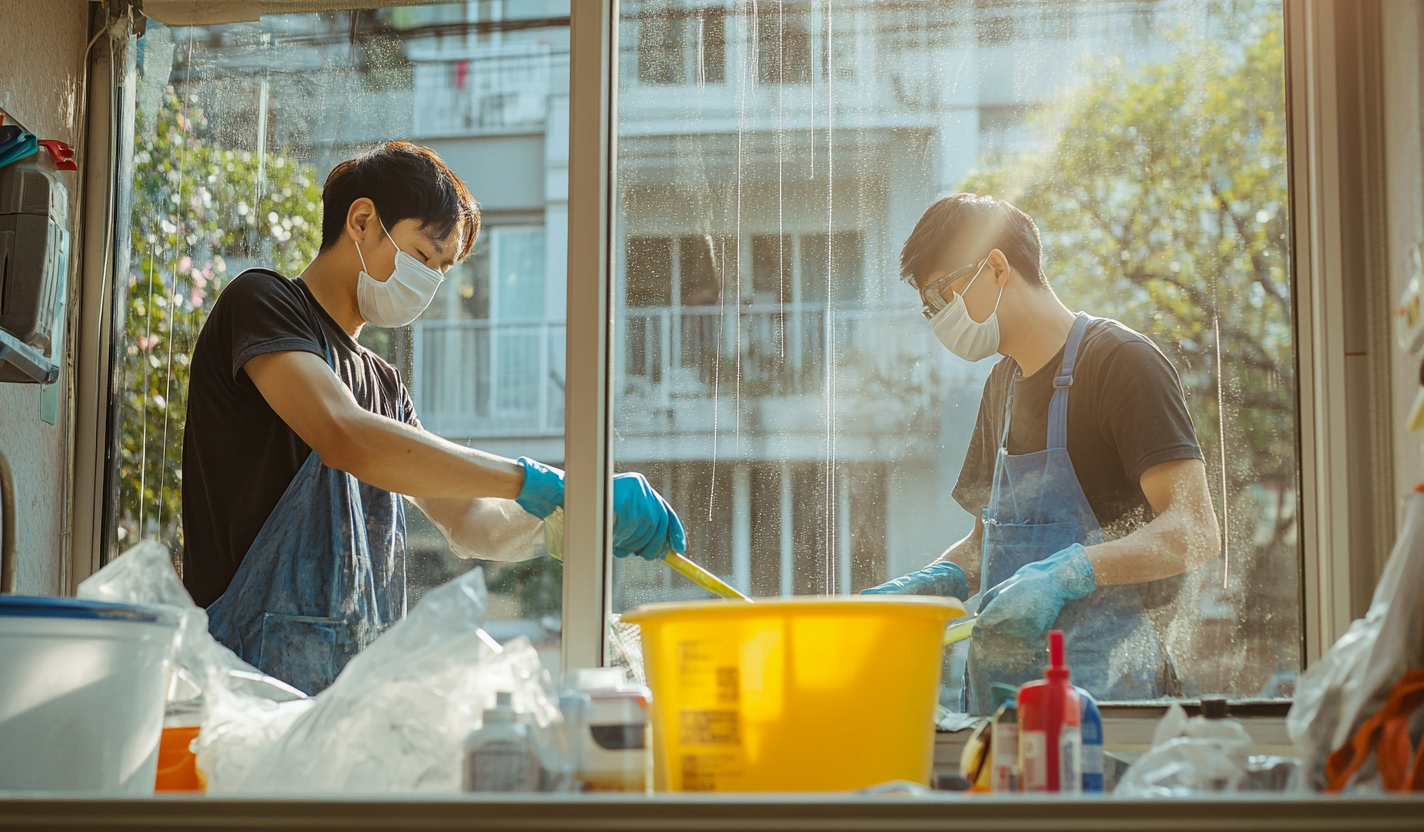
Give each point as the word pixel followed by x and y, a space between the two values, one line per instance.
pixel 962 335
pixel 403 296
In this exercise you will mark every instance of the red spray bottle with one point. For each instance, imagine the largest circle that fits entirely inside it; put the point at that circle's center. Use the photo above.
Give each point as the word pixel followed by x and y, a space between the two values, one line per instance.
pixel 1050 728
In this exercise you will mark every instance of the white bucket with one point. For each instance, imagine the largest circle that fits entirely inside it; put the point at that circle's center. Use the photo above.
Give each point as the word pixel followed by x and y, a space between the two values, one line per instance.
pixel 81 694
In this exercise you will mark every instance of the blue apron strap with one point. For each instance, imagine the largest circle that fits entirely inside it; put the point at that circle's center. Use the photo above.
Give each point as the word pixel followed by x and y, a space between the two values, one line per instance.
pixel 1058 407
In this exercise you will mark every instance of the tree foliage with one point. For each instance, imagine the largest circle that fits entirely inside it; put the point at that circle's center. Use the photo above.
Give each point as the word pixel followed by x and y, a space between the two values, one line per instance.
pixel 199 211
pixel 1163 203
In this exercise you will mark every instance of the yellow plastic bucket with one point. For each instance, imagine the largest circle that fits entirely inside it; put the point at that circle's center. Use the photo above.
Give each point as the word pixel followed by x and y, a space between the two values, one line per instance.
pixel 795 694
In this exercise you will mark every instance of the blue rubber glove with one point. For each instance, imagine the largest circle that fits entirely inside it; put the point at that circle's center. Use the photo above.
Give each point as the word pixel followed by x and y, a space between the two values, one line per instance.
pixel 1026 605
pixel 543 489
pixel 643 522
pixel 941 578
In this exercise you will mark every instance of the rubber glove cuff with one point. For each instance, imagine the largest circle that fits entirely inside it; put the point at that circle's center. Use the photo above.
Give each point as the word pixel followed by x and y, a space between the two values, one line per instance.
pixel 543 489
pixel 941 578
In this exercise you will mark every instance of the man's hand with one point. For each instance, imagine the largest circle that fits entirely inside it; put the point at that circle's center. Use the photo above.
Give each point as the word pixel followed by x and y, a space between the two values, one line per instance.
pixel 940 578
pixel 644 524
pixel 1026 605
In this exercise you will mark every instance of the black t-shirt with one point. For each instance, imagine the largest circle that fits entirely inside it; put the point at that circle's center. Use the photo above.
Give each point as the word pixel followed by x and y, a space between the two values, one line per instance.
pixel 1126 413
pixel 238 454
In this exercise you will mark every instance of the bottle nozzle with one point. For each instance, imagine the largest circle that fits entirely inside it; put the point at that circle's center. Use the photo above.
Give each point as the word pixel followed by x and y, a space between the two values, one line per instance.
pixel 1055 649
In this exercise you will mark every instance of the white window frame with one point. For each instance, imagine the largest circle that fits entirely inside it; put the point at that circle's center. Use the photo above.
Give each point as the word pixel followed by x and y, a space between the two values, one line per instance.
pixel 1336 496
pixel 1347 485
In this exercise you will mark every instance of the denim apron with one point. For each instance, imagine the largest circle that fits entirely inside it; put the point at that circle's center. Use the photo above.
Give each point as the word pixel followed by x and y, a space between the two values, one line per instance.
pixel 325 576
pixel 1036 509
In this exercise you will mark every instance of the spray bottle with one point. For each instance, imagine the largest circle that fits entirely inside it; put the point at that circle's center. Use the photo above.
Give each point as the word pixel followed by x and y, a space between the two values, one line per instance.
pixel 1050 728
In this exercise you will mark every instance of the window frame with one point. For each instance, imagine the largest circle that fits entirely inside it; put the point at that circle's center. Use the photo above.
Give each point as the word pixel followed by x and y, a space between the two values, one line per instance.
pixel 1348 510
pixel 1333 496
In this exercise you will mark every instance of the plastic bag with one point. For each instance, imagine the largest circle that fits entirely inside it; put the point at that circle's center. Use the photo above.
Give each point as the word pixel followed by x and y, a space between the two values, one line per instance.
pixel 492 529
pixel 1336 695
pixel 396 718
pixel 145 575
pixel 1189 757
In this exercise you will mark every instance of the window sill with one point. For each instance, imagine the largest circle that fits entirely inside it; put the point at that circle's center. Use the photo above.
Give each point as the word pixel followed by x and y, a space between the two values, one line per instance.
pixel 629 813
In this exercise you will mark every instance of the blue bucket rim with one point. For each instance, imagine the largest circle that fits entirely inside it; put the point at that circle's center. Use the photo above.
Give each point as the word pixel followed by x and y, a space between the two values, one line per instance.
pixel 39 606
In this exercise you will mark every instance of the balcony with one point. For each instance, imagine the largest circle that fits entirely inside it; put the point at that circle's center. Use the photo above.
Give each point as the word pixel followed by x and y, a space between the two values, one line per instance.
pixel 482 379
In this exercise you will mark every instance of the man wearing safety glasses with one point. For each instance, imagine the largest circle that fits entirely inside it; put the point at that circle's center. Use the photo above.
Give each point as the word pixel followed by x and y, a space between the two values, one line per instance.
pixel 1084 472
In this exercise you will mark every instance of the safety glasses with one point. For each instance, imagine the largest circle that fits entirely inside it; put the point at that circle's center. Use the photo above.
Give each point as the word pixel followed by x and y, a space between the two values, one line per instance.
pixel 932 296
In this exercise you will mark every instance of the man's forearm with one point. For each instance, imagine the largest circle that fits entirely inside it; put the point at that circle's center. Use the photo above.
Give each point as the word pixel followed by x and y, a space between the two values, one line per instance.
pixel 1174 542
pixel 406 460
pixel 965 553
pixel 486 529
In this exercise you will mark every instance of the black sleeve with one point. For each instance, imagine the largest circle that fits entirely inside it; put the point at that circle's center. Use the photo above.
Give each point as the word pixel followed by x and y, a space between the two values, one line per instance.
pixel 1145 412
pixel 976 477
pixel 267 313
pixel 408 409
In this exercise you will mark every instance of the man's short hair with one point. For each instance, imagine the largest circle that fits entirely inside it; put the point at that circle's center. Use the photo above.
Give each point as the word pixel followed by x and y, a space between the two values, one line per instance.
pixel 982 223
pixel 405 181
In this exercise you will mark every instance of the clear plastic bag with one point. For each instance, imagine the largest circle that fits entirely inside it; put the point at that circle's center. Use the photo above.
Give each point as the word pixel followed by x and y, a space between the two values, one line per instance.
pixel 1189 757
pixel 145 575
pixel 242 710
pixel 1353 680
pixel 397 716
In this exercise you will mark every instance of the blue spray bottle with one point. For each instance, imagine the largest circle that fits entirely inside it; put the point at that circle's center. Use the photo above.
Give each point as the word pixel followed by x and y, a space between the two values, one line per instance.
pixel 1092 743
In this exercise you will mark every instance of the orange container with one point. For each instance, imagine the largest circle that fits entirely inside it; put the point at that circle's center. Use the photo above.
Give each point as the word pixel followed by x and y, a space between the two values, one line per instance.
pixel 177 765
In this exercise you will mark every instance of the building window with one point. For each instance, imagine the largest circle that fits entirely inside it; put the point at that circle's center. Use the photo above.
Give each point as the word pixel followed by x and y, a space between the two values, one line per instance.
pixel 994 21
pixel 678 45
pixel 661 33
pixel 783 43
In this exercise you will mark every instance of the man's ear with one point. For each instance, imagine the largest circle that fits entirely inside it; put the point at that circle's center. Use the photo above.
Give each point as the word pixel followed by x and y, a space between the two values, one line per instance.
pixel 361 222
pixel 999 265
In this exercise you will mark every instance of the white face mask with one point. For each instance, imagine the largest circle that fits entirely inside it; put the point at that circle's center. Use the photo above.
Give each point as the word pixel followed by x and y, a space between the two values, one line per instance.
pixel 400 298
pixel 962 335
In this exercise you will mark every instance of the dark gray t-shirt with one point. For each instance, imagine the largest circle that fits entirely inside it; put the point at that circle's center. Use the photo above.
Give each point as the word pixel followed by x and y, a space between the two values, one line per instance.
pixel 238 454
pixel 1126 413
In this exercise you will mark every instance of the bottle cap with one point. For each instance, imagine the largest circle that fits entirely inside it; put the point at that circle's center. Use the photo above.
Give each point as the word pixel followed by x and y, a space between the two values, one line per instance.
pixel 503 710
pixel 1057 669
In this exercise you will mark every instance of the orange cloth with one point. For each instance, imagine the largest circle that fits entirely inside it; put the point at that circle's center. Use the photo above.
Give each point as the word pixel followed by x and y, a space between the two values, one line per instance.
pixel 177 766
pixel 1401 767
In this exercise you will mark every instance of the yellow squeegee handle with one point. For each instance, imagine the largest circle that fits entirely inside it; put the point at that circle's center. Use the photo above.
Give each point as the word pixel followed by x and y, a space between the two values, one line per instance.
pixel 703 578
pixel 960 631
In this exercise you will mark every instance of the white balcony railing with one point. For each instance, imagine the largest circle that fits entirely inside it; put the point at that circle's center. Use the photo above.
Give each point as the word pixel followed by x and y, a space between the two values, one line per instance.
pixel 487 379
pixel 775 350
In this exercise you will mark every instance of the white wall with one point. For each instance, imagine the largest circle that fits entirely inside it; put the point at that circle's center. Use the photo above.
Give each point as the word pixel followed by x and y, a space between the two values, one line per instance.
pixel 43 47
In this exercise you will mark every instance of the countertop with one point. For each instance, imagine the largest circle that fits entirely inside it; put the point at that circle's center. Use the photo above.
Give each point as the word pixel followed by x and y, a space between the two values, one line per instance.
pixel 638 813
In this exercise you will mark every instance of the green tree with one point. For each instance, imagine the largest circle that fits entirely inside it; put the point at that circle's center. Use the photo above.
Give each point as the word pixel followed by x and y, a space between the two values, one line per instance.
pixel 197 208
pixel 1163 203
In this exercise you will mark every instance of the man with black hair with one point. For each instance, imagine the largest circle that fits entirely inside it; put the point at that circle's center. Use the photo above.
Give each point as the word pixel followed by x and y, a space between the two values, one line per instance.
pixel 300 441
pixel 1083 472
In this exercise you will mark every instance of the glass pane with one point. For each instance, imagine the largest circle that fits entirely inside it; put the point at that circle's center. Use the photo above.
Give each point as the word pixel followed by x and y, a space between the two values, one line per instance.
pixel 237 128
pixel 774 377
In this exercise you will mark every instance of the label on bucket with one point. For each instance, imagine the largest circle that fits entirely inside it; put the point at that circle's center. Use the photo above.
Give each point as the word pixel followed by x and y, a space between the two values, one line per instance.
pixel 708 727
pixel 702 772
pixel 709 720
